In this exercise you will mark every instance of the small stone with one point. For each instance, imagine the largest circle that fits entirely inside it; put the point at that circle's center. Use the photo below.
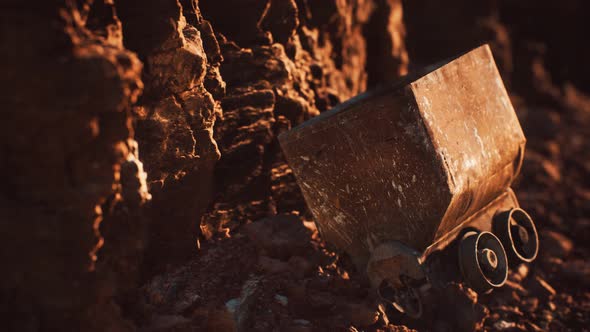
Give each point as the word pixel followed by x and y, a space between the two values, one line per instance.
pixel 511 312
pixel 382 314
pixel 521 272
pixel 533 327
pixel 504 325
pixel 302 322
pixel 542 288
pixel 552 170
pixel 281 236
pixel 232 305
pixel 516 287
pixel 547 316
pixel 282 300
pixel 555 244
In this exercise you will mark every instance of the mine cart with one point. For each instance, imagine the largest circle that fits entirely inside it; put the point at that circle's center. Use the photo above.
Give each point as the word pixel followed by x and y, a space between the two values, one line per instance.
pixel 418 170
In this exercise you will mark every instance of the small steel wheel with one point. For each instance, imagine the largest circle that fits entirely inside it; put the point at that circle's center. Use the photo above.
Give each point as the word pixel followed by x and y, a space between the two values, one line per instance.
pixel 517 232
pixel 483 261
pixel 406 300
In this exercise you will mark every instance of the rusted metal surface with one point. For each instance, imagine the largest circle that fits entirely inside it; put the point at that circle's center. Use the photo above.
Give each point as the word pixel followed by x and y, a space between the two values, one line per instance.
pixel 411 162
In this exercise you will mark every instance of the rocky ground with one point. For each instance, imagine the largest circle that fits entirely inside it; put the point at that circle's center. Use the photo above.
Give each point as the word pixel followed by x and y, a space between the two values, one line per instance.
pixel 144 189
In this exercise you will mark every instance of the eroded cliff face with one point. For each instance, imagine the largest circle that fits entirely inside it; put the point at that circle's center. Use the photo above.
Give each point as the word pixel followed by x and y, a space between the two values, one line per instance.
pixel 137 129
pixel 68 158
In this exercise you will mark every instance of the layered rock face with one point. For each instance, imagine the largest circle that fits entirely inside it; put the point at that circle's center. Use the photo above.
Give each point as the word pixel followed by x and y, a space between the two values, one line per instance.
pixel 284 64
pixel 137 129
pixel 68 160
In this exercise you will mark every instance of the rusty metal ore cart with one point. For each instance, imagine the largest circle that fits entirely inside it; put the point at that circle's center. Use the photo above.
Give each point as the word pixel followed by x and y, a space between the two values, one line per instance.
pixel 398 174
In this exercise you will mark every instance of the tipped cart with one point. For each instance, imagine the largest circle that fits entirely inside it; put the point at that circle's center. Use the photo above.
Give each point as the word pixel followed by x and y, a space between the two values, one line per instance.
pixel 413 180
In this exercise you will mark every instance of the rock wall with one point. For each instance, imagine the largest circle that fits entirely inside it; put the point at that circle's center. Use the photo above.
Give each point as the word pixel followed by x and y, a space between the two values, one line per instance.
pixel 137 129
pixel 68 159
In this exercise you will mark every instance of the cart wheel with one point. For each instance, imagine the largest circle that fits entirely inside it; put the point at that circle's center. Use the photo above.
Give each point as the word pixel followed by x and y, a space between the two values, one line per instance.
pixel 483 261
pixel 517 232
pixel 406 300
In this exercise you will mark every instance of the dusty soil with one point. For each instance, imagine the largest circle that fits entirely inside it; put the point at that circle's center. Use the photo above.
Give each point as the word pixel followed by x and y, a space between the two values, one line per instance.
pixel 144 189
